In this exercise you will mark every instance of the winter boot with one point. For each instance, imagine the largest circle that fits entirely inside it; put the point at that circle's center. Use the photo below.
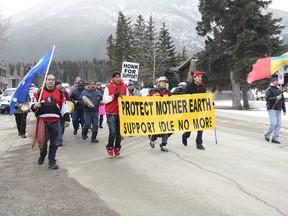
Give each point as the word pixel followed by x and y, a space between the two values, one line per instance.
pixel 84 135
pixel 93 138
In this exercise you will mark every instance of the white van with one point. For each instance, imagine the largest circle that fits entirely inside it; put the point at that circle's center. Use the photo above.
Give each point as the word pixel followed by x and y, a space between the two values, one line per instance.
pixel 6 99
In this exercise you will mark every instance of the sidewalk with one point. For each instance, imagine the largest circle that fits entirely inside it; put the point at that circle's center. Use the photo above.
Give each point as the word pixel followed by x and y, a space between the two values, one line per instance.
pixel 28 189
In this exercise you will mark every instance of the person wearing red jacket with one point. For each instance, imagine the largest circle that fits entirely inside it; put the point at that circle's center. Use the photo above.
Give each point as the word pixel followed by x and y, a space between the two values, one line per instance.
pixel 112 91
pixel 48 109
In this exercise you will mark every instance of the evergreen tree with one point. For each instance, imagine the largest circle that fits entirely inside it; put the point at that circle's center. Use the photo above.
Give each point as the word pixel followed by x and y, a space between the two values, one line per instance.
pixel 182 56
pixel 156 56
pixel 123 41
pixel 237 33
pixel 139 46
pixel 166 55
pixel 111 53
pixel 150 53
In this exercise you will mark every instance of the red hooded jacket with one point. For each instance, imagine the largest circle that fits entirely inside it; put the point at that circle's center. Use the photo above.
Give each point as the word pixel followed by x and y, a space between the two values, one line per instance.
pixel 112 107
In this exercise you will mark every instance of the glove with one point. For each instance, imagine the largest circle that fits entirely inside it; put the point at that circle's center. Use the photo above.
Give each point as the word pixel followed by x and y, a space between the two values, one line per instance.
pixel 279 97
pixel 116 95
pixel 76 102
pixel 66 124
pixel 37 105
pixel 284 113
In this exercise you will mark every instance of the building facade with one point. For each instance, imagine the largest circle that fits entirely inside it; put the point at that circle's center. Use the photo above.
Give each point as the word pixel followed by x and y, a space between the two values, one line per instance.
pixel 7 80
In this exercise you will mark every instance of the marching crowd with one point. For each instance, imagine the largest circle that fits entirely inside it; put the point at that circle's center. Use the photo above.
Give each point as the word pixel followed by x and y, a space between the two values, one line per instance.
pixel 91 103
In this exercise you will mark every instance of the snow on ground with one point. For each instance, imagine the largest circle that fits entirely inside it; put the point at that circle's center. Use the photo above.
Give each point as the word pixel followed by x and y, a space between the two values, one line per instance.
pixel 258 108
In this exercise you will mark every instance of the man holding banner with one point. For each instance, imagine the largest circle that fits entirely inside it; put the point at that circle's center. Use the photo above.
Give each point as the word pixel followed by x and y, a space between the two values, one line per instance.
pixel 112 91
pixel 195 87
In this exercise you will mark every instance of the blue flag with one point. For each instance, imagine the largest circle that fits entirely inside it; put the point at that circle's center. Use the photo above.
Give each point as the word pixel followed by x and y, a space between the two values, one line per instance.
pixel 20 94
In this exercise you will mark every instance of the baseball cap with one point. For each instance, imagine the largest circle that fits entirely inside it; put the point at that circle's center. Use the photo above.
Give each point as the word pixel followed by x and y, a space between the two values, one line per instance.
pixel 197 73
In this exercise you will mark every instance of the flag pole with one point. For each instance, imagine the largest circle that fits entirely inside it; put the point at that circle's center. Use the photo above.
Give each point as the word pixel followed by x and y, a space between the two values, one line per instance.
pixel 215 135
pixel 41 91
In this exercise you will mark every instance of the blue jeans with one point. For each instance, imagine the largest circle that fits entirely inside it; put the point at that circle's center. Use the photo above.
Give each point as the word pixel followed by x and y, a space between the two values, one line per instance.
pixel 61 130
pixel 91 118
pixel 199 140
pixel 76 115
pixel 114 131
pixel 275 124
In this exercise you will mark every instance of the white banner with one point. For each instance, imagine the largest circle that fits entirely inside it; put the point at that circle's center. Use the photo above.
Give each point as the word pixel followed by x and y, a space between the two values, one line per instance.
pixel 281 76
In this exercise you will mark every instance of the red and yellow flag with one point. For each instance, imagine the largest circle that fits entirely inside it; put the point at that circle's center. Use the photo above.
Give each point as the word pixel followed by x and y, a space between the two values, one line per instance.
pixel 265 67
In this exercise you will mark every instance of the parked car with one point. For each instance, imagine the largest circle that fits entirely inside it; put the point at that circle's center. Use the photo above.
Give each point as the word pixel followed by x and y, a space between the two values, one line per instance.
pixel 145 91
pixel 179 89
pixel 256 94
pixel 6 99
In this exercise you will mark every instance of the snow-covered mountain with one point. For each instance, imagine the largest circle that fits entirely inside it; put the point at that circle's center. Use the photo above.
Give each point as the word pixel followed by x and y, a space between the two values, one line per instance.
pixel 79 28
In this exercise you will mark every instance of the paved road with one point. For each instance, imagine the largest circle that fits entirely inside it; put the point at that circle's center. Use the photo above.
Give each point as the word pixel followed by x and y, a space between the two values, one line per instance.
pixel 30 190
pixel 241 175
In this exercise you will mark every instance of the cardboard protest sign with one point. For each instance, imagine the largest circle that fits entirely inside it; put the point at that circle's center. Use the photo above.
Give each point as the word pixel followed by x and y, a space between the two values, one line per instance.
pixel 130 71
pixel 167 114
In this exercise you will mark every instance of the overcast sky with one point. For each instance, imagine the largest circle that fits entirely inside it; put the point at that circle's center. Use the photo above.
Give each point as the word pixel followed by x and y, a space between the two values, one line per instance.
pixel 10 7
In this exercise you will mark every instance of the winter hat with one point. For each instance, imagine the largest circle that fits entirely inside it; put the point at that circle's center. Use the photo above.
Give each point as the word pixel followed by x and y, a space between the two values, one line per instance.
pixel 99 83
pixel 274 79
pixel 197 73
pixel 115 73
pixel 58 82
pixel 130 83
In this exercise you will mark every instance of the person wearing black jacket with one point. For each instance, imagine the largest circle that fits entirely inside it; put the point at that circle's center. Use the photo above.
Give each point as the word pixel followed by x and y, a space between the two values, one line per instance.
pixel 21 118
pixel 78 114
pixel 274 103
pixel 195 87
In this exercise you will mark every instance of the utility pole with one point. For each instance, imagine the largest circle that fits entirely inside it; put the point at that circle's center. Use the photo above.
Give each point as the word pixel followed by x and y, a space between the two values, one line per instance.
pixel 154 63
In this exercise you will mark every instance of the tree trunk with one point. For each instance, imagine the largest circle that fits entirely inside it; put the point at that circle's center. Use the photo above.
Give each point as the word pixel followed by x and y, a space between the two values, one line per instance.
pixel 236 94
pixel 245 97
